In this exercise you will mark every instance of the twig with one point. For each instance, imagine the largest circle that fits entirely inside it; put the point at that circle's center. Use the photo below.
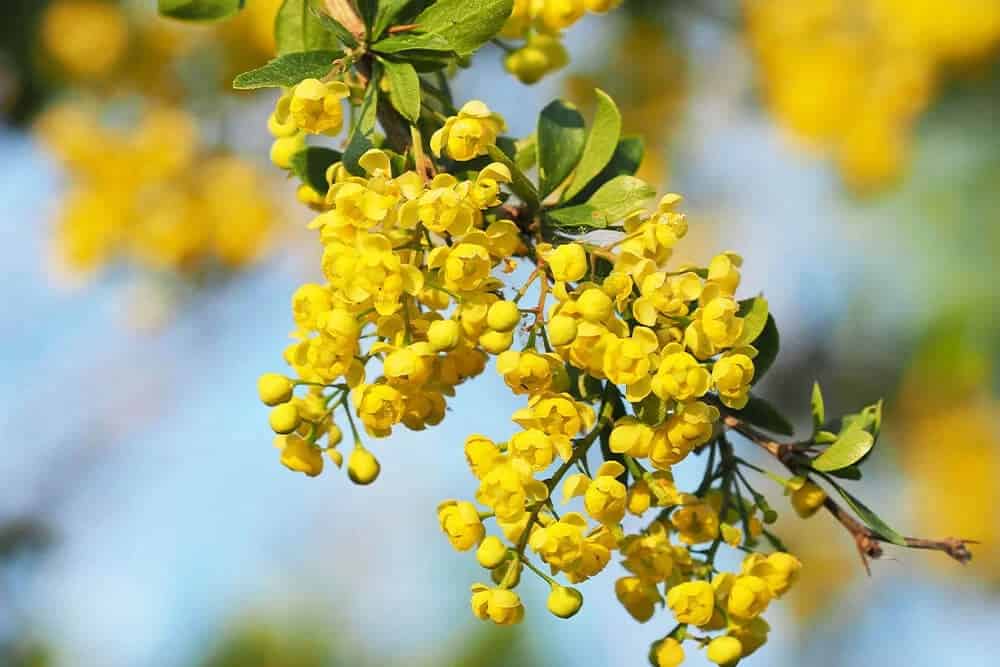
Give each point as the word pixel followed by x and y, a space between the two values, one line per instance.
pixel 869 543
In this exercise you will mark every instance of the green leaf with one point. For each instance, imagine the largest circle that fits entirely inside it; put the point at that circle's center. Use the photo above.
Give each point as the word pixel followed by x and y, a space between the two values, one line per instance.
pixel 561 136
pixel 767 344
pixel 390 12
pixel 602 140
pixel 764 415
pixel 333 26
pixel 625 162
pixel 413 41
pixel 576 218
pixel 465 24
pixel 652 410
pixel 310 166
pixel 297 28
pixel 404 88
pixel 521 185
pixel 869 518
pixel 818 409
pixel 288 70
pixel 199 10
pixel 849 448
pixel 622 196
pixel 361 135
pixel 368 9
pixel 852 473
pixel 754 313
pixel 526 154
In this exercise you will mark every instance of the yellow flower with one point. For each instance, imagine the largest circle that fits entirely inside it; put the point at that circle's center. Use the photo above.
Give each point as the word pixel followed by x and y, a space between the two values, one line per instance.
pixel 284 418
pixel 309 302
pixel 467 267
pixel 562 330
pixel 499 605
pixel 445 208
pixel 716 325
pixel 519 19
pixel 482 455
pixel 723 272
pixel 443 335
pixel 725 651
pixel 316 107
pixel 533 447
pixel 508 487
pixel 692 602
pixel 299 455
pixel 630 361
pixel 732 374
pixel 469 134
pixel 274 389
pixel 491 552
pixel 682 432
pixel 559 416
pixel 637 596
pixel 748 597
pixel 605 496
pixel 779 570
pixel 752 635
pixel 595 306
pixel 679 376
pixel 564 602
pixel 568 262
pixel 503 316
pixel 631 436
pixel 560 544
pixel 669 653
pixel 696 522
pixel 527 372
pixel 807 499
pixel 87 38
pixel 665 295
pixel 379 406
pixel 649 556
pixel 461 523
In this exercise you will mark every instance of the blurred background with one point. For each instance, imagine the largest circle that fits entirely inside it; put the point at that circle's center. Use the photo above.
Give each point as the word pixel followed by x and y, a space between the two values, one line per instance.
pixel 847 148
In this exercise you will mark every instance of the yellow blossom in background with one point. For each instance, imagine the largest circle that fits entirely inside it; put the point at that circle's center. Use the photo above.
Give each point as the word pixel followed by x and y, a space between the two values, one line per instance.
pixel 86 38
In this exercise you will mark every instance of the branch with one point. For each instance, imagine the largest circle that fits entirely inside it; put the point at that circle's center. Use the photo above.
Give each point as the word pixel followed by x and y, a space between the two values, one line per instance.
pixel 867 541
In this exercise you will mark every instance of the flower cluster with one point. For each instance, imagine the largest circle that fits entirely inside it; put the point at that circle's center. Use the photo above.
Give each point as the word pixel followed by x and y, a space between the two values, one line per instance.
pixel 154 196
pixel 540 23
pixel 853 77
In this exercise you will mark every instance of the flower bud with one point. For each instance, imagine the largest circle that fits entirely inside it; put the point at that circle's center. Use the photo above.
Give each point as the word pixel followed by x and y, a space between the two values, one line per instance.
pixel 564 602
pixel 562 330
pixel 362 466
pixel 274 389
pixel 503 316
pixel 443 335
pixel 807 499
pixel 668 653
pixel 595 305
pixel 724 651
pixel 496 342
pixel 284 418
pixel 491 552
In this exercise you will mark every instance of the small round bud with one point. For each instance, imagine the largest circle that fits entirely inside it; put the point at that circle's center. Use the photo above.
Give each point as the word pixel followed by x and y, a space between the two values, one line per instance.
pixel 770 516
pixel 443 335
pixel 362 466
pixel 562 330
pixel 595 305
pixel 503 316
pixel 274 389
pixel 334 436
pixel 491 553
pixel 564 602
pixel 667 653
pixel 284 148
pixel 335 456
pixel 284 418
pixel 724 651
pixel 496 342
pixel 807 499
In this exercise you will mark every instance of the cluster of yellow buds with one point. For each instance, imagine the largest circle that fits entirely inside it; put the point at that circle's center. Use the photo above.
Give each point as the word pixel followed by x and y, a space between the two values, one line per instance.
pixel 154 196
pixel 540 23
pixel 853 77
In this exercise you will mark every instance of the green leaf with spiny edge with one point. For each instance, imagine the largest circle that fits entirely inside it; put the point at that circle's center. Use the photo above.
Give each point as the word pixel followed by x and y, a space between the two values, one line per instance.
pixel 754 313
pixel 850 447
pixel 818 408
pixel 288 70
pixel 767 345
pixel 465 24
pixel 410 42
pixel 297 29
pixel 763 414
pixel 199 10
pixel 561 136
pixel 602 141
pixel 868 517
pixel 614 201
pixel 625 162
pixel 404 88
pixel 332 25
pixel 310 166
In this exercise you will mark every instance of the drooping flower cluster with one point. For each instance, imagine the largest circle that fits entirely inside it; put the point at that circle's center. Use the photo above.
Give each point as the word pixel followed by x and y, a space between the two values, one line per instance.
pixel 540 23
